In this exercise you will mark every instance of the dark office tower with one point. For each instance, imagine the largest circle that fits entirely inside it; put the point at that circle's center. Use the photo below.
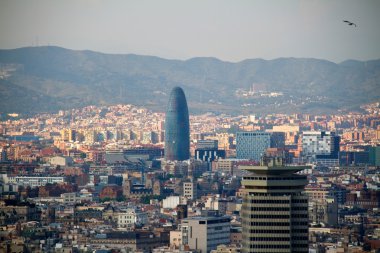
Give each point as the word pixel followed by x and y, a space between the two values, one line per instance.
pixel 177 130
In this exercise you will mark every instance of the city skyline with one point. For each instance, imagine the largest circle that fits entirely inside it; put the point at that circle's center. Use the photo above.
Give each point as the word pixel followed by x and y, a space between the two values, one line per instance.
pixel 98 174
pixel 190 126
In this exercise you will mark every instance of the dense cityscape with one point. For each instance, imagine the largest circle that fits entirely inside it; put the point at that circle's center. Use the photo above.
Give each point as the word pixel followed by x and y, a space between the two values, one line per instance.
pixel 123 178
pixel 213 126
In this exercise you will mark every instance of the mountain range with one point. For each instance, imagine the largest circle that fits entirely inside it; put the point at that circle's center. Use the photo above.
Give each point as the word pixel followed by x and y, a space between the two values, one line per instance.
pixel 48 78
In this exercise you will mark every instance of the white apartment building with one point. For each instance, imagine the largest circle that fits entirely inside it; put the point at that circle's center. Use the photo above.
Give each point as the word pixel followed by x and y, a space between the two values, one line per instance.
pixel 35 181
pixel 74 197
pixel 205 233
pixel 190 190
pixel 130 217
pixel 173 201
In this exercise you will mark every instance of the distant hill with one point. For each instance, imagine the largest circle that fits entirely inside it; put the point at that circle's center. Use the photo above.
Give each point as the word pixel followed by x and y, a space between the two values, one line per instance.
pixel 41 79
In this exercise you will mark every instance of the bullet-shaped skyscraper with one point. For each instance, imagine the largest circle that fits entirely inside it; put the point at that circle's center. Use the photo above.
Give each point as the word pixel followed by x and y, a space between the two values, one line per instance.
pixel 177 130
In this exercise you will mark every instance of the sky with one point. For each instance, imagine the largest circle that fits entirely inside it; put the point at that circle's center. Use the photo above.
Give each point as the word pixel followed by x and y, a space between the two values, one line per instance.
pixel 231 30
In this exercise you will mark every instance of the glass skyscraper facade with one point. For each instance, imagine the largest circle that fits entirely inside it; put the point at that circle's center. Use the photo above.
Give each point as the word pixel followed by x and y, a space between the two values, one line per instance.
pixel 320 145
pixel 252 145
pixel 177 129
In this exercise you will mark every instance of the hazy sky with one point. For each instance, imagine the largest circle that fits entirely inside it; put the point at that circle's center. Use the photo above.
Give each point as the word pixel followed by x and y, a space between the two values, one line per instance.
pixel 230 30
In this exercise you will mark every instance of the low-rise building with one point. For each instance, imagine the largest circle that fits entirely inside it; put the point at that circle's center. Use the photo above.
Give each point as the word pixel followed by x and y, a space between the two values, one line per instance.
pixel 129 218
pixel 205 233
pixel 35 181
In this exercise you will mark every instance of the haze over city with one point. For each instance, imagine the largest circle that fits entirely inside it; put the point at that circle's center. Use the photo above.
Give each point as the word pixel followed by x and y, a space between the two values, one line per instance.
pixel 228 30
pixel 189 126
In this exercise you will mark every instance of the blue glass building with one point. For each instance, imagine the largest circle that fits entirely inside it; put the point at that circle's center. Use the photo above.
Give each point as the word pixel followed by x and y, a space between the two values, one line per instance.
pixel 252 145
pixel 177 130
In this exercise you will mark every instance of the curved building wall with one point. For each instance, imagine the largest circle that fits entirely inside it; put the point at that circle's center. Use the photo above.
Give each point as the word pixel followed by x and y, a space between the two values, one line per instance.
pixel 177 130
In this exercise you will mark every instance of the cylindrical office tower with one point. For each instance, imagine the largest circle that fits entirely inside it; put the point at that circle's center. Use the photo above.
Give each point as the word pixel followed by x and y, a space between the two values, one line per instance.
pixel 275 208
pixel 177 129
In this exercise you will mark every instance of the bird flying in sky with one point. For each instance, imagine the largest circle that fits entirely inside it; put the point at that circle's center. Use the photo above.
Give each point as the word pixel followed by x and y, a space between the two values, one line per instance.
pixel 349 22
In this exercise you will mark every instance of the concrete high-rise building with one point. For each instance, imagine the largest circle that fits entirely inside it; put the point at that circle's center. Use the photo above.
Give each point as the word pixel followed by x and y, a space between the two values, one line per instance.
pixel 275 208
pixel 190 189
pixel 68 135
pixel 177 129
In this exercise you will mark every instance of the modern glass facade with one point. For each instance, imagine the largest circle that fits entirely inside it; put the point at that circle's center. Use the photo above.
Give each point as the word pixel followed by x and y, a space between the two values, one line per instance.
pixel 319 145
pixel 252 145
pixel 374 156
pixel 177 130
